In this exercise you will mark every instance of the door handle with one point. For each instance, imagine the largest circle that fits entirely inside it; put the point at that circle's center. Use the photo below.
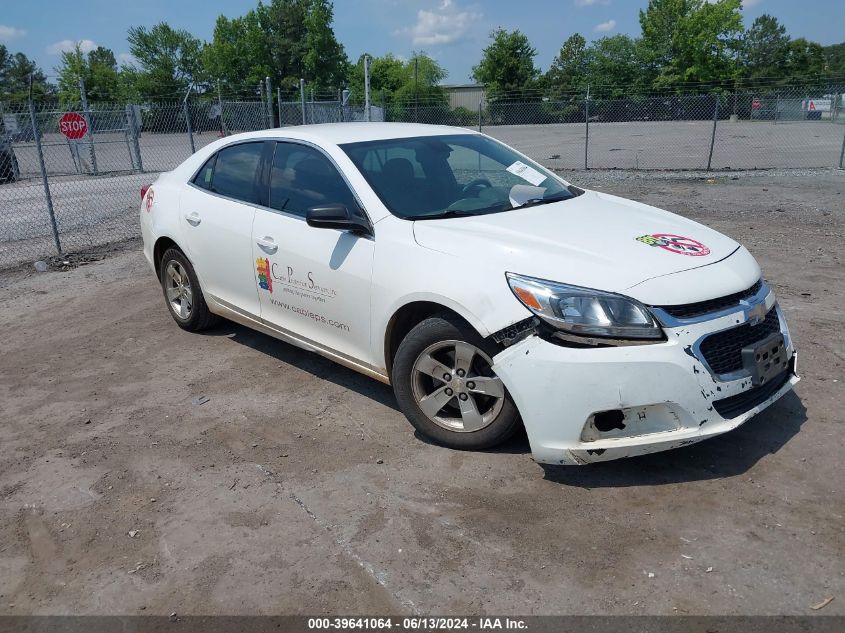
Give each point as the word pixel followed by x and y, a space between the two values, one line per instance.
pixel 193 218
pixel 267 244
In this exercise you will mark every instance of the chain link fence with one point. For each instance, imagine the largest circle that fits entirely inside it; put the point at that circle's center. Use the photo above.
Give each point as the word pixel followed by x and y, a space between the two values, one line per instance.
pixel 70 175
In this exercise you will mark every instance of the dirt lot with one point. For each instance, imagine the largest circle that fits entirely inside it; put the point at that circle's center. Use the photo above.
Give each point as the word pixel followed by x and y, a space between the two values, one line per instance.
pixel 299 488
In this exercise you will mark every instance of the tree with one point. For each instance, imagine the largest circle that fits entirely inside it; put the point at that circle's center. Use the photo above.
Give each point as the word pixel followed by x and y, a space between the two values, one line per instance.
pixel 689 41
pixel 285 40
pixel 422 76
pixel 15 71
pixel 613 66
pixel 404 84
pixel 239 53
pixel 507 66
pixel 98 70
pixel 169 60
pixel 765 47
pixel 834 56
pixel 325 60
pixel 568 72
pixel 805 62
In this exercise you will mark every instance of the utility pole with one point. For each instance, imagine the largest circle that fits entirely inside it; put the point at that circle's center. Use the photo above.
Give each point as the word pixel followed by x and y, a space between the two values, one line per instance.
pixel 416 89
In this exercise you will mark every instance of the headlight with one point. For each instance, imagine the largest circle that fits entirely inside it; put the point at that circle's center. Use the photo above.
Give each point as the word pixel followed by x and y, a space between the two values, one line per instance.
pixel 585 312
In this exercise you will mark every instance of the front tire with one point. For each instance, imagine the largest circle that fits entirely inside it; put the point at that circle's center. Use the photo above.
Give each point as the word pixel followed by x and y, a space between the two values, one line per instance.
pixel 183 294
pixel 444 383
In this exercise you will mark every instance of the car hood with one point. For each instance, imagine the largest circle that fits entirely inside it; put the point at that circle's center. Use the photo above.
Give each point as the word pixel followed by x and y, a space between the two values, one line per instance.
pixel 590 240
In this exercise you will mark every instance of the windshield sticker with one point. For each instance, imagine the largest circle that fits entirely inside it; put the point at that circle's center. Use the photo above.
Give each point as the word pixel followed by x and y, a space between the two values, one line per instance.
pixel 675 244
pixel 527 173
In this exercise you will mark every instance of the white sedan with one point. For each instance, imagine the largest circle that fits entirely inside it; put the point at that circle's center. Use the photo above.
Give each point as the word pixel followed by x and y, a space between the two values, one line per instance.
pixel 487 290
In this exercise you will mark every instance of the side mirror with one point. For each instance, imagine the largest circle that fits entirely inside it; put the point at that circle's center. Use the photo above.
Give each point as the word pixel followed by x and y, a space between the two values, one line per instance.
pixel 337 216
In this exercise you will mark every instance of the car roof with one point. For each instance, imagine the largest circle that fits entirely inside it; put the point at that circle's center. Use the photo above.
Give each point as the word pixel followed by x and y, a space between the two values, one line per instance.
pixel 340 133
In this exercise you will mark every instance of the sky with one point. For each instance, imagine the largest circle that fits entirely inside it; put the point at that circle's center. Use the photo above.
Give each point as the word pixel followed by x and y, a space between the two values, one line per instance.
pixel 454 32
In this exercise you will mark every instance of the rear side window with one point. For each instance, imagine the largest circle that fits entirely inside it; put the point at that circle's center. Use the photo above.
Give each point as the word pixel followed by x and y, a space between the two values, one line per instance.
pixel 303 177
pixel 235 170
pixel 203 177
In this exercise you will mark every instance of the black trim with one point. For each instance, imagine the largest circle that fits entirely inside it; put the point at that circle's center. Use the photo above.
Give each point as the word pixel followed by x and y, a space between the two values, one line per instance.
pixel 262 180
pixel 741 403
pixel 722 351
pixel 699 308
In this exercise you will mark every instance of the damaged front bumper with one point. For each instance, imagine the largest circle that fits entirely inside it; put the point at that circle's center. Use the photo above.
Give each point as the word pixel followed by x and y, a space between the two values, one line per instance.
pixel 582 405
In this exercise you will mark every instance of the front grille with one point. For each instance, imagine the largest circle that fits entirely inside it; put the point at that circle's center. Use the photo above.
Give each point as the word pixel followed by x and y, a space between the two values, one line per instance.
pixel 691 310
pixel 743 402
pixel 723 350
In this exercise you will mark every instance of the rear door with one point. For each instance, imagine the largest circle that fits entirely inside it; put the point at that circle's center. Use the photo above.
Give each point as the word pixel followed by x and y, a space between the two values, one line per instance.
pixel 217 212
pixel 314 283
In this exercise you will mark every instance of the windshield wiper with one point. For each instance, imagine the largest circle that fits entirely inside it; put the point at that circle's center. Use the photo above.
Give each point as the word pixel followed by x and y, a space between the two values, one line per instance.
pixel 460 213
pixel 533 202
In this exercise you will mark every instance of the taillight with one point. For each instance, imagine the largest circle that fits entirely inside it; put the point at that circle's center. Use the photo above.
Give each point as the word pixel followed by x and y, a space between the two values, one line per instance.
pixel 144 189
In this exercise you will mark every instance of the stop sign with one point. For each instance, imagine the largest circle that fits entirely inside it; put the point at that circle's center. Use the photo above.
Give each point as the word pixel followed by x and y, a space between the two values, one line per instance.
pixel 73 125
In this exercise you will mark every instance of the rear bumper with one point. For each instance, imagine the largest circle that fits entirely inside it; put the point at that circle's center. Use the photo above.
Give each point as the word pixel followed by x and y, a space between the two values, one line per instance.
pixel 667 395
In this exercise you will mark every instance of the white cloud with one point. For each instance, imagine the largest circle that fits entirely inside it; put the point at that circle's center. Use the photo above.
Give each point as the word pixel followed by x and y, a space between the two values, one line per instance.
pixel 126 58
pixel 9 33
pixel 604 27
pixel 589 3
pixel 443 25
pixel 66 46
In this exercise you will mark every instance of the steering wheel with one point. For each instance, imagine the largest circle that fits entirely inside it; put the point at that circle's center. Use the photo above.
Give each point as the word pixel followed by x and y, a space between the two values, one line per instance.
pixel 478 182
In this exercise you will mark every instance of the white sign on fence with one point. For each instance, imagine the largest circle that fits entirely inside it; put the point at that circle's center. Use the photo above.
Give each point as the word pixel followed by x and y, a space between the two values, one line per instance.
pixel 816 105
pixel 10 122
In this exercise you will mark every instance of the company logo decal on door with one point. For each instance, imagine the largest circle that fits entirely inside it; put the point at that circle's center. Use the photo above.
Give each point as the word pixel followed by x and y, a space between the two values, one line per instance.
pixel 262 268
pixel 675 244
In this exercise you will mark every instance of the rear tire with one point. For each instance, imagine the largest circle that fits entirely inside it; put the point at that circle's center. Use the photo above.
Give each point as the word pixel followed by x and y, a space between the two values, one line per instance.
pixel 445 386
pixel 183 294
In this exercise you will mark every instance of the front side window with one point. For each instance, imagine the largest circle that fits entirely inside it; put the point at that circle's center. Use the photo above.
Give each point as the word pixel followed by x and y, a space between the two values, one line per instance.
pixel 235 170
pixel 431 177
pixel 302 177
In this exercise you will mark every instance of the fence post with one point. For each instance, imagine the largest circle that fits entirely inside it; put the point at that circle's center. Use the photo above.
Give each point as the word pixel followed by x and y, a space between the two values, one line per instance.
pixel 713 133
pixel 220 105
pixel 479 115
pixel 842 153
pixel 87 115
pixel 43 168
pixel 188 118
pixel 302 98
pixel 279 103
pixel 367 88
pixel 587 130
pixel 269 103
pixel 136 131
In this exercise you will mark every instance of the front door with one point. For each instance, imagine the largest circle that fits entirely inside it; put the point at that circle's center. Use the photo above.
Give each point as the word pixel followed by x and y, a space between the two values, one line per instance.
pixel 217 213
pixel 314 283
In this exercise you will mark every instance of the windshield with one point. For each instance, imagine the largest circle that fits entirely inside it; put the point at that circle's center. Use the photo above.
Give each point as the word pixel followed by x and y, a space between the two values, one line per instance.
pixel 428 177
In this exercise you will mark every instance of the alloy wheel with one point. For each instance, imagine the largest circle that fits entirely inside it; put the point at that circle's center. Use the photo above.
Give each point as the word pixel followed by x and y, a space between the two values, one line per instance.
pixel 178 290
pixel 455 387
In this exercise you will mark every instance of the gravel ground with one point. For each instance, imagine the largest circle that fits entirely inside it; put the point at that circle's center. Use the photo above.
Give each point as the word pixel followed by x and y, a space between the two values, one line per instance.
pixel 299 488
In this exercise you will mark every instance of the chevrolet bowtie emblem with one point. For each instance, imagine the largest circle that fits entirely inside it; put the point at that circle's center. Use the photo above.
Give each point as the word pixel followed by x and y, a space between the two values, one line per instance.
pixel 755 313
